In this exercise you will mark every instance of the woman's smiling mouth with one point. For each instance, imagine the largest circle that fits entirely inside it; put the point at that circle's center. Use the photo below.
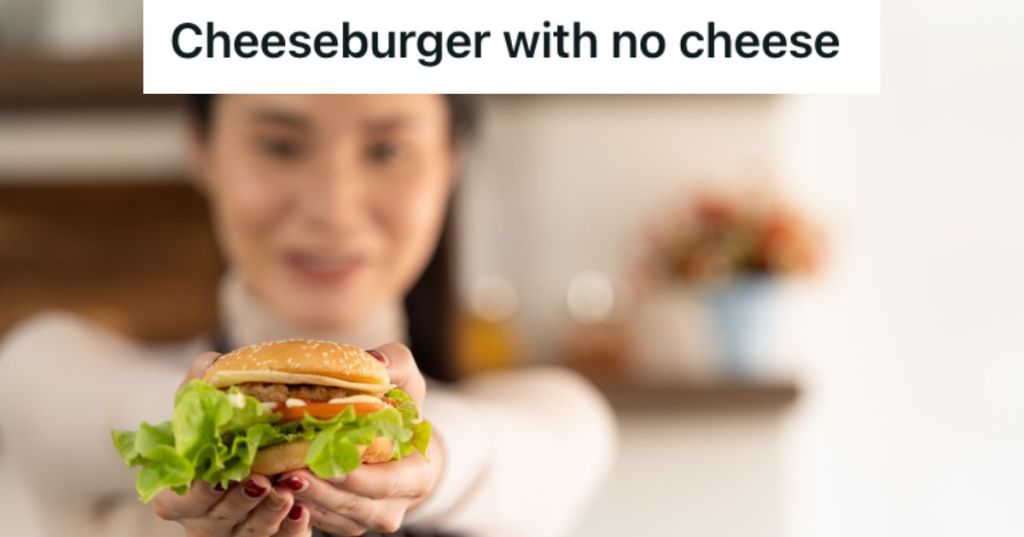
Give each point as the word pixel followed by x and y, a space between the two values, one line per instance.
pixel 325 269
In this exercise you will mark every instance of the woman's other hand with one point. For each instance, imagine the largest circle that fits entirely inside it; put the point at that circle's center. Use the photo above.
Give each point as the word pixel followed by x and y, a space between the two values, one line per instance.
pixel 252 508
pixel 374 496
pixel 199 367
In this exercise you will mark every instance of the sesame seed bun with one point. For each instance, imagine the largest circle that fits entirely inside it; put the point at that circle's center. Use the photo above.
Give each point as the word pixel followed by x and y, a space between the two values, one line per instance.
pixel 301 361
pixel 281 458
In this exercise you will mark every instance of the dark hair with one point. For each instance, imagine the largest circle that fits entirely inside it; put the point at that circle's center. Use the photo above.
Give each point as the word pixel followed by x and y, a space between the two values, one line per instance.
pixel 431 304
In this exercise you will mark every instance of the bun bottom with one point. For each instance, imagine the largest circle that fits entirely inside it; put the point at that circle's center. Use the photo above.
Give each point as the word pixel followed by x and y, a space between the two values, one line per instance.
pixel 281 458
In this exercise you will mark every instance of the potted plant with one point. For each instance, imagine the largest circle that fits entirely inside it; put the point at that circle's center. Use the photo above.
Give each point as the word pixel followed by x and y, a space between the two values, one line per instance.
pixel 734 249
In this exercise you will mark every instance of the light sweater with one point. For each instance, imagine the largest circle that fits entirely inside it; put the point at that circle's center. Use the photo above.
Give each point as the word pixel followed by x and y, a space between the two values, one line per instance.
pixel 525 449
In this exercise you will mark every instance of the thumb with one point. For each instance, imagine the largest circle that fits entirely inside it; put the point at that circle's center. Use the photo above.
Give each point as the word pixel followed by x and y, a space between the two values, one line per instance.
pixel 199 366
pixel 402 369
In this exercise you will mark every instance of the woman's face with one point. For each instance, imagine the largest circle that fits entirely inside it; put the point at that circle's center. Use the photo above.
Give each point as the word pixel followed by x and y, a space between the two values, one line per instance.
pixel 328 205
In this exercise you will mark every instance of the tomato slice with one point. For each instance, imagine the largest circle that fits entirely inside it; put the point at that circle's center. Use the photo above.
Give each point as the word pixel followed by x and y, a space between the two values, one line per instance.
pixel 324 411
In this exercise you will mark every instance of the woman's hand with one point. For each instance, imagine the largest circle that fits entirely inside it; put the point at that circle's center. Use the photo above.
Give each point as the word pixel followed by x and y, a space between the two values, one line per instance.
pixel 199 367
pixel 252 508
pixel 374 496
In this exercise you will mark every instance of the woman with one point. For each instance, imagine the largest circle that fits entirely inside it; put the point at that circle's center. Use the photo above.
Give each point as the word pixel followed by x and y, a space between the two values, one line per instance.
pixel 329 210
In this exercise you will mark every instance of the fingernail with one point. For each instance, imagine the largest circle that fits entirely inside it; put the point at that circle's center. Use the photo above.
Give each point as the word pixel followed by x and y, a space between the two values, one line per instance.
pixel 295 483
pixel 296 512
pixel 275 501
pixel 254 489
pixel 378 355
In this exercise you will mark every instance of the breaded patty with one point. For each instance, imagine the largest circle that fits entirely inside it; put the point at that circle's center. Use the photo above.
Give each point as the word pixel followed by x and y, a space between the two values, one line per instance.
pixel 280 392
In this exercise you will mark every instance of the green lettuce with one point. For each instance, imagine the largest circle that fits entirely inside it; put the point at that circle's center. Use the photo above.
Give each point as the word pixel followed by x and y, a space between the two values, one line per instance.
pixel 211 440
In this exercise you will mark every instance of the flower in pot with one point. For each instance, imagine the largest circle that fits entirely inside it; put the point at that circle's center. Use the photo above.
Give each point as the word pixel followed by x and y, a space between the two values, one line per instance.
pixel 735 250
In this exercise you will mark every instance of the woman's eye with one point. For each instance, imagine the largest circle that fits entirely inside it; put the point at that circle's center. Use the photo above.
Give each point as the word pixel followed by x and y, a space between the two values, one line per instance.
pixel 383 152
pixel 280 148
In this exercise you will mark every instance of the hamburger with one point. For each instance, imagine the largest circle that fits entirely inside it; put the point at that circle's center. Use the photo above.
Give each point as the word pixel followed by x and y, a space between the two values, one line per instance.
pixel 274 407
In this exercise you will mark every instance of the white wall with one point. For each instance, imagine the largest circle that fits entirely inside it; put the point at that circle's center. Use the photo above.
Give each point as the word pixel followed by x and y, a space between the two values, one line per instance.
pixel 707 473
pixel 914 424
pixel 560 184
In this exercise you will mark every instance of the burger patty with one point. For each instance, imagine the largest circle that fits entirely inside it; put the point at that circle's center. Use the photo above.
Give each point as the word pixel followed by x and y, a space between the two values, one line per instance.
pixel 279 392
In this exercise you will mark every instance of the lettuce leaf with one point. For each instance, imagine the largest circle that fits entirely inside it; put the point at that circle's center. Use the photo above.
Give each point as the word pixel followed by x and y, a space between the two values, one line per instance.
pixel 210 439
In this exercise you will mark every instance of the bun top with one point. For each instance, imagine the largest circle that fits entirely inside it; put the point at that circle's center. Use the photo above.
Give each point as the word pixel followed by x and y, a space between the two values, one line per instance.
pixel 299 359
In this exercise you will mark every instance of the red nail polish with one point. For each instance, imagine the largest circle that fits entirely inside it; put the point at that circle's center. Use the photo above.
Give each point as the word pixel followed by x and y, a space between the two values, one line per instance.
pixel 378 355
pixel 295 483
pixel 253 489
pixel 296 512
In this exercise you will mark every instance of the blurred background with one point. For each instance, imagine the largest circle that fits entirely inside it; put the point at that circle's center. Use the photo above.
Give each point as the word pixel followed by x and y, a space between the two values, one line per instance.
pixel 806 311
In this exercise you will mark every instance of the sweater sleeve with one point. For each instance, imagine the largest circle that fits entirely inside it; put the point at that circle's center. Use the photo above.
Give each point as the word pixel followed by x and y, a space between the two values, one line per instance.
pixel 525 451
pixel 64 384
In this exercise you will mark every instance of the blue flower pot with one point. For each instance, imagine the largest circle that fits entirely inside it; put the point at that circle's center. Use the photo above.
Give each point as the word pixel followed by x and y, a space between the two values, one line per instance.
pixel 742 314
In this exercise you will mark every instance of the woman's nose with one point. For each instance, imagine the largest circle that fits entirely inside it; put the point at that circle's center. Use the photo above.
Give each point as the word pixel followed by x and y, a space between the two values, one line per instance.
pixel 337 201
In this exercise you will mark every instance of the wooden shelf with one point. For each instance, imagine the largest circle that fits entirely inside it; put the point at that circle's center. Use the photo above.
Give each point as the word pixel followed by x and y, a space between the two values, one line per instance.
pixel 35 83
pixel 706 395
pixel 30 83
pixel 89 248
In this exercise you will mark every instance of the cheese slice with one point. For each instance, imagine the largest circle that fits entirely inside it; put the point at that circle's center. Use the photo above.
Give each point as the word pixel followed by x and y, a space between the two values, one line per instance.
pixel 353 399
pixel 221 379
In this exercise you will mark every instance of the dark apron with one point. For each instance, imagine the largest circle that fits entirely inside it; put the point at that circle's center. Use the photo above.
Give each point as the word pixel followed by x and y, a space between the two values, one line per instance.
pixel 220 344
pixel 399 533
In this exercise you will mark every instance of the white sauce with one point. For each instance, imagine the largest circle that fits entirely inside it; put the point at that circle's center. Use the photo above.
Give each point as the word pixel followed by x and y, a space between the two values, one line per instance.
pixel 236 400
